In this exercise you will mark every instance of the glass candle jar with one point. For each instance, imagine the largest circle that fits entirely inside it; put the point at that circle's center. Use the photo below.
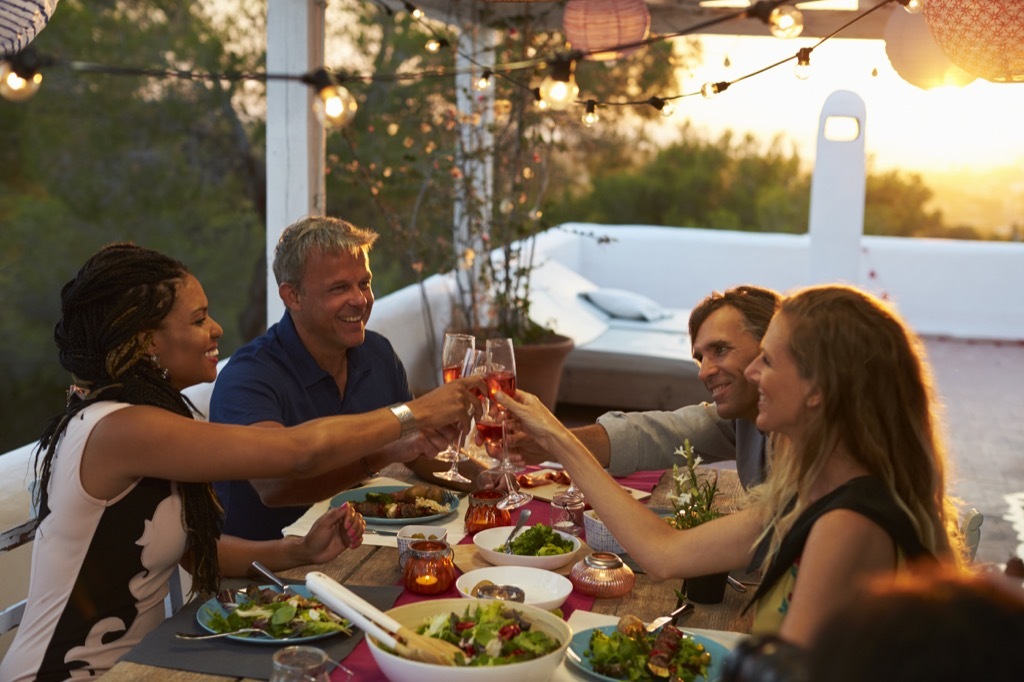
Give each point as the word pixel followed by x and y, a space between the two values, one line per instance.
pixel 483 511
pixel 429 568
pixel 602 575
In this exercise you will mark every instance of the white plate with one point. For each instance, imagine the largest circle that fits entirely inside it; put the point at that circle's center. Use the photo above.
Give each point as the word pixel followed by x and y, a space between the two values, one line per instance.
pixel 543 589
pixel 487 540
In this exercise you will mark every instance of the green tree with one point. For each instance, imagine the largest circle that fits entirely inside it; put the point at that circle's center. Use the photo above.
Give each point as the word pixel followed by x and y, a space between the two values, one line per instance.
pixel 96 158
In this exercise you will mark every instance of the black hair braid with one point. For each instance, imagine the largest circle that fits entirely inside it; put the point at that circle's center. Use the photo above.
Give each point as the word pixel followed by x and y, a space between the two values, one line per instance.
pixel 120 294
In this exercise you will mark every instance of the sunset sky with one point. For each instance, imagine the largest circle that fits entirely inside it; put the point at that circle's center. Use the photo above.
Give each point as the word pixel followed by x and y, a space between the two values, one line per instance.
pixel 978 126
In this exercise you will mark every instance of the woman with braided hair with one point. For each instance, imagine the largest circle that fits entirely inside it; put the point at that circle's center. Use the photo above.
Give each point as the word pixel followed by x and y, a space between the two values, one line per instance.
pixel 125 469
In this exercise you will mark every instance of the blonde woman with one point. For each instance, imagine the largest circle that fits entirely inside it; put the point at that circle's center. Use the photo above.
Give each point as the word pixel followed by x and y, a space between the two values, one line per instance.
pixel 857 484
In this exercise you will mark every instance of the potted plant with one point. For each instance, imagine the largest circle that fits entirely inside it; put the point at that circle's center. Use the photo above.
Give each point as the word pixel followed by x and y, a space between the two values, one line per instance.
pixel 693 501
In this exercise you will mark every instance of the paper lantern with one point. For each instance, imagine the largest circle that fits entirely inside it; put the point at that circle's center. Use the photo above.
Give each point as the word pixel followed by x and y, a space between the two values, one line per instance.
pixel 916 57
pixel 20 21
pixel 982 37
pixel 593 26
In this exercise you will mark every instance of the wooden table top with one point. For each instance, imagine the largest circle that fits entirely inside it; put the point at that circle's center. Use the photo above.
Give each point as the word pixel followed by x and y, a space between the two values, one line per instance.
pixel 375 565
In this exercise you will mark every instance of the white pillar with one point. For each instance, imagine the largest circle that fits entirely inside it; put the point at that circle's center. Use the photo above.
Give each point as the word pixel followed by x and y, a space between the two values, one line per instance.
pixel 476 120
pixel 837 191
pixel 295 137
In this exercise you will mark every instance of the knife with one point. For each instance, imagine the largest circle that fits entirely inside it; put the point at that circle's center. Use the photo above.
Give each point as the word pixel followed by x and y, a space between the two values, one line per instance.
pixel 374 531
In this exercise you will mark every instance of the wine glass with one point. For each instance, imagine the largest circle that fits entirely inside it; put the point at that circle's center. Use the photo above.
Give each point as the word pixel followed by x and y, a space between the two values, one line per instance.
pixel 457 353
pixel 501 375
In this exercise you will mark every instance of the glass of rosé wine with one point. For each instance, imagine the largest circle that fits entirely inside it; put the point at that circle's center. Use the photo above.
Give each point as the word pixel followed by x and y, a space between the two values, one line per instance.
pixel 501 375
pixel 458 352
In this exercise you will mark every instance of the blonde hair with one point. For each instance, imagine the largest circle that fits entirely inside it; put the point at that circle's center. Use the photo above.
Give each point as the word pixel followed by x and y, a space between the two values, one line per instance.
pixel 878 400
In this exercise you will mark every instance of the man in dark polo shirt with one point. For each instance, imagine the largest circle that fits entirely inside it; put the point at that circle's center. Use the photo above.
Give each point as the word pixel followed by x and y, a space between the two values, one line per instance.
pixel 319 360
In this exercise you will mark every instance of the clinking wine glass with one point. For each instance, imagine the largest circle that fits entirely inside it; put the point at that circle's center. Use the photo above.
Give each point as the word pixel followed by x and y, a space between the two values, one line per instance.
pixel 501 375
pixel 456 361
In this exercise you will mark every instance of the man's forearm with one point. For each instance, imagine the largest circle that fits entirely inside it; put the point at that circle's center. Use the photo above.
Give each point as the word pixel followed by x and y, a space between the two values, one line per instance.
pixel 595 438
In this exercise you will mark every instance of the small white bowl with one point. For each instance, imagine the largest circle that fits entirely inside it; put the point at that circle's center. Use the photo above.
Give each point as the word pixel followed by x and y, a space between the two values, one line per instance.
pixel 405 538
pixel 398 669
pixel 543 589
pixel 487 540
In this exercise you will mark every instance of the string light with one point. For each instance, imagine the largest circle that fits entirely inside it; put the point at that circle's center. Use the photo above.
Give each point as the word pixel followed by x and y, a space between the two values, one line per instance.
pixel 434 45
pixel 19 76
pixel 709 90
pixel 912 6
pixel 802 70
pixel 784 21
pixel 559 88
pixel 334 105
pixel 664 107
pixel 484 81
pixel 590 115
pixel 416 12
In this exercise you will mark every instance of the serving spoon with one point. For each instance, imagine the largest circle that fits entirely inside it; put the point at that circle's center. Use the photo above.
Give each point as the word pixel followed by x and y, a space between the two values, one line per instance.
pixel 523 516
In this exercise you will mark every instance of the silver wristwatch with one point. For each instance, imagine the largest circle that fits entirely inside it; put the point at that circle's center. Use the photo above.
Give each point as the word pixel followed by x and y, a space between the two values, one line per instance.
pixel 405 418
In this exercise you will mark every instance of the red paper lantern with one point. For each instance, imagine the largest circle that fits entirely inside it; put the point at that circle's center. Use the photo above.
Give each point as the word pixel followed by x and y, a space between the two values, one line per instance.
pixel 982 37
pixel 596 26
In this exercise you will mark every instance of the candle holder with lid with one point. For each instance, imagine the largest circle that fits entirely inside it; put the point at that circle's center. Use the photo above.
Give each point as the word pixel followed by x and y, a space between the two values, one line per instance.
pixel 602 575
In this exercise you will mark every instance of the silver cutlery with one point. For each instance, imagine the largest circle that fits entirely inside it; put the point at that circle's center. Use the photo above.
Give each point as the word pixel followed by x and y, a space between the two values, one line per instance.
pixel 272 577
pixel 374 531
pixel 735 584
pixel 523 516
pixel 240 631
pixel 686 608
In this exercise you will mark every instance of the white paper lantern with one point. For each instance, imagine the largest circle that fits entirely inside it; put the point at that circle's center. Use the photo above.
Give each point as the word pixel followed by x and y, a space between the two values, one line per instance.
pixel 982 37
pixel 916 57
pixel 593 26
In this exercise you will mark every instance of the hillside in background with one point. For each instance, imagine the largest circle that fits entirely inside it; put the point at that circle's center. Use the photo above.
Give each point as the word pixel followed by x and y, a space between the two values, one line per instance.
pixel 990 200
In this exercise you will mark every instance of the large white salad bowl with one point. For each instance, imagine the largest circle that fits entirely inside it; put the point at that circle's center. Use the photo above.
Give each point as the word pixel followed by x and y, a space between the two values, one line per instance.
pixel 398 669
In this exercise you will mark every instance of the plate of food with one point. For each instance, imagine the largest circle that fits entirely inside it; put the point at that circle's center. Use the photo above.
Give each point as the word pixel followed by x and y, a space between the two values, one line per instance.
pixel 397 505
pixel 626 651
pixel 284 617
pixel 537 546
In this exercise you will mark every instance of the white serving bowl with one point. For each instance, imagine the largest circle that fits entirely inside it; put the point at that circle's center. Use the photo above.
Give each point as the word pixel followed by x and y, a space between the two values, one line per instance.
pixel 487 540
pixel 543 589
pixel 398 669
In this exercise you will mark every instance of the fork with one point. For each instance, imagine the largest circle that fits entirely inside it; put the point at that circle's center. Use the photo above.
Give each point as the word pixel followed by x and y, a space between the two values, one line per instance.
pixel 240 631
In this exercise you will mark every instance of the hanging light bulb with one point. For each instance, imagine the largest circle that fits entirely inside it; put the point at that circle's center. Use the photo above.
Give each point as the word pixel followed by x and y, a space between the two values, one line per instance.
pixel 709 90
pixel 802 70
pixel 434 45
pixel 538 101
pixel 912 6
pixel 590 115
pixel 416 12
pixel 14 87
pixel 484 81
pixel 662 106
pixel 334 104
pixel 786 21
pixel 668 109
pixel 559 87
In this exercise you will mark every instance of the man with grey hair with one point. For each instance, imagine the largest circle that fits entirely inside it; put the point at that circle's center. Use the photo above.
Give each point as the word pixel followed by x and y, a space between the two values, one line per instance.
pixel 318 360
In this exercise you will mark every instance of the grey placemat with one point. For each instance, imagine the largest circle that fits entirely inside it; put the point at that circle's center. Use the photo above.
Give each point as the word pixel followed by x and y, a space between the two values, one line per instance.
pixel 231 658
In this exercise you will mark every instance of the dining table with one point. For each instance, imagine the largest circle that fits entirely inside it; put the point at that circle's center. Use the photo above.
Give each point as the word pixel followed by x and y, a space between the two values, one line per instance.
pixel 373 571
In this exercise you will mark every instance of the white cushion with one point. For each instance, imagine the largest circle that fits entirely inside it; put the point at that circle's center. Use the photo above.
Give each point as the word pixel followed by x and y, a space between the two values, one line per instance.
pixel 626 304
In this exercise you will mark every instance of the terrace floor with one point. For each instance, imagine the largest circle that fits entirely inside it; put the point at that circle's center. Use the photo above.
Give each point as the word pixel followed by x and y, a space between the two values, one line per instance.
pixel 981 384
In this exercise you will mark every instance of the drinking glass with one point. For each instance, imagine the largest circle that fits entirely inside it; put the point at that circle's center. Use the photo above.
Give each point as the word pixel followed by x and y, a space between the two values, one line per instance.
pixel 456 359
pixel 501 368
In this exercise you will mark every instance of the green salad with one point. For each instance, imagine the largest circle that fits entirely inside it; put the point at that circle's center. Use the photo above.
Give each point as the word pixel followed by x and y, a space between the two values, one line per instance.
pixel 539 540
pixel 639 656
pixel 278 614
pixel 490 633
